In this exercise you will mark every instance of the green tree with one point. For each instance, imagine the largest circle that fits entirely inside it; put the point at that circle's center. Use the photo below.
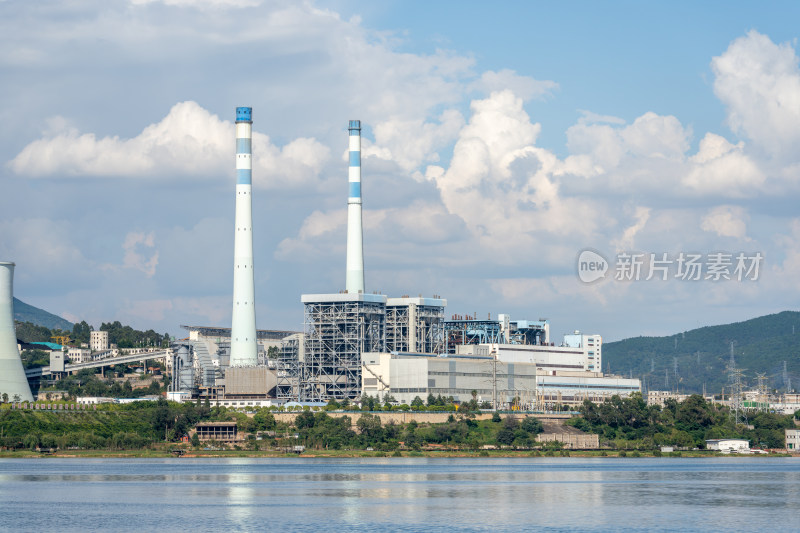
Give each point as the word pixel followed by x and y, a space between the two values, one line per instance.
pixel 370 427
pixel 417 404
pixel 531 425
pixel 263 420
pixel 81 332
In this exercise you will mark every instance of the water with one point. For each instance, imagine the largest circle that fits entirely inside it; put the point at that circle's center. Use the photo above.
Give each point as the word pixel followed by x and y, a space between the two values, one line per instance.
pixel 393 494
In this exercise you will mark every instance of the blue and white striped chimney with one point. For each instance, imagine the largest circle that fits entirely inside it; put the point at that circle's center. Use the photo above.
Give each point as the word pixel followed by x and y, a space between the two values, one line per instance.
pixel 355 244
pixel 244 348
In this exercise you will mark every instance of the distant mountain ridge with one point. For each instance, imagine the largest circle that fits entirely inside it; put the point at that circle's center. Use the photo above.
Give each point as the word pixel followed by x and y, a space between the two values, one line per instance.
pixel 761 345
pixel 27 313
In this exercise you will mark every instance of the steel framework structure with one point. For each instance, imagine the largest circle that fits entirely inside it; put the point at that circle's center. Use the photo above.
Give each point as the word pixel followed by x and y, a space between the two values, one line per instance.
pixel 289 369
pixel 338 331
pixel 472 331
pixel 414 328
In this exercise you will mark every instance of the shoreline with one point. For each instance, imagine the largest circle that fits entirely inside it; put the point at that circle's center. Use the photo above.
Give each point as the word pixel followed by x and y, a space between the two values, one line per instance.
pixel 360 454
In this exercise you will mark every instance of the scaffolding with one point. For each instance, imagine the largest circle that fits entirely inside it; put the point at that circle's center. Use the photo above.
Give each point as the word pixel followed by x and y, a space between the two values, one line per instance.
pixel 414 325
pixel 288 367
pixel 339 328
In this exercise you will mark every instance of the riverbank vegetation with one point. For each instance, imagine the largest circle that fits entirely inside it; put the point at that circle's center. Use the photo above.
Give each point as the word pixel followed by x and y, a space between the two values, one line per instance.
pixel 625 426
pixel 631 424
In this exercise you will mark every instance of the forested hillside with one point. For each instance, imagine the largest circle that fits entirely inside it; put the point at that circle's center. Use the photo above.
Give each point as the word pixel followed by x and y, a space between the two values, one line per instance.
pixel 28 313
pixel 688 360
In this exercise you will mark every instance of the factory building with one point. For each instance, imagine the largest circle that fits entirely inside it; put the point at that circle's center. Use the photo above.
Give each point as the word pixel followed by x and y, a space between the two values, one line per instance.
pixel 506 375
pixel 338 329
pixel 415 324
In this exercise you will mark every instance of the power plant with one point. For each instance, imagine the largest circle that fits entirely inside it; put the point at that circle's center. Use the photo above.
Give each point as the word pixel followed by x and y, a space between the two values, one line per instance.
pixel 356 343
pixel 12 376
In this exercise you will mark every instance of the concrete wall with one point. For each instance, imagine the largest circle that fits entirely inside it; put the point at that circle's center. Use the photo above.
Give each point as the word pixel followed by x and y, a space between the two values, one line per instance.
pixel 573 441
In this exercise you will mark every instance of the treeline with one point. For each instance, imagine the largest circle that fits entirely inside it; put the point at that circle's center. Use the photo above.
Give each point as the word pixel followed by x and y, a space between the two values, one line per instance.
pixel 321 431
pixel 629 423
pixel 111 426
pixel 122 336
pixel 437 403
pixel 143 424
pixel 87 383
pixel 127 337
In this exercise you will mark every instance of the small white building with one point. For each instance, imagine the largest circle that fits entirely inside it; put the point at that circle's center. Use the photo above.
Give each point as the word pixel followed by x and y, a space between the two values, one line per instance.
pixel 79 355
pixel 93 400
pixel 793 440
pixel 729 445
pixel 98 341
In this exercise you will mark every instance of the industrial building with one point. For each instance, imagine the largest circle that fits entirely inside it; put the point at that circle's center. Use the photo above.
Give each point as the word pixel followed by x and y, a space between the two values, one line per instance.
pixel 355 343
pixel 507 375
pixel 338 329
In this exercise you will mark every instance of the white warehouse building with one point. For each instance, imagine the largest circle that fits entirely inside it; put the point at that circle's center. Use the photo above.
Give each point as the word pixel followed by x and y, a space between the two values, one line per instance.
pixel 537 376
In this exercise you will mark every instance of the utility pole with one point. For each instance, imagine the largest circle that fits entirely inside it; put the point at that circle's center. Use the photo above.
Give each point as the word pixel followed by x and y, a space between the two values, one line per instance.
pixel 735 376
pixel 494 382
pixel 763 398
pixel 785 376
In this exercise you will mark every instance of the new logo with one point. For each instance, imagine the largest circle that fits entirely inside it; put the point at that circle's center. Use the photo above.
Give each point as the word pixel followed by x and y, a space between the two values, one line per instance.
pixel 591 266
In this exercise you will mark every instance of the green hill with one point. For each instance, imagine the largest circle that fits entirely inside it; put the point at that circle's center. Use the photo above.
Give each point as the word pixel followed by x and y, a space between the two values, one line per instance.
pixel 761 345
pixel 28 313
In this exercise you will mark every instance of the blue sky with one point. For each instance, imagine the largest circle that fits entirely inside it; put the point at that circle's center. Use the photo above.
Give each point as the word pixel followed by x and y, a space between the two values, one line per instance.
pixel 500 141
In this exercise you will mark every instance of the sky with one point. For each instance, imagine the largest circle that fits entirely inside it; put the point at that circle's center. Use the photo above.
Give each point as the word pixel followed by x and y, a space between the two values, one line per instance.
pixel 501 143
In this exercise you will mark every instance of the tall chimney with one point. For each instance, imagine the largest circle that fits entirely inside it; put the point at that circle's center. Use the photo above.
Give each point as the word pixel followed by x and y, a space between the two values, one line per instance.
pixel 244 349
pixel 355 245
pixel 12 376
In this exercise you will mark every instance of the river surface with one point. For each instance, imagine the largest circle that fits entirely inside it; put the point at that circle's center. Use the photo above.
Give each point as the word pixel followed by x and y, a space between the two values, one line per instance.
pixel 394 494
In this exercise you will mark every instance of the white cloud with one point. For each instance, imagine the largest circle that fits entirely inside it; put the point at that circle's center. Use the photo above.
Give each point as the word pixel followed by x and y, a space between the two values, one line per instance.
pixel 759 82
pixel 656 136
pixel 412 142
pixel 727 221
pixel 720 167
pixel 503 186
pixel 188 143
pixel 523 86
pixel 626 241
pixel 134 255
pixel 649 153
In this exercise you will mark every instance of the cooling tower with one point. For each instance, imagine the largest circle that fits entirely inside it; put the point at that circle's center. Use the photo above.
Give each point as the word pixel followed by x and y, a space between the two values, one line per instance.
pixel 355 243
pixel 244 349
pixel 12 376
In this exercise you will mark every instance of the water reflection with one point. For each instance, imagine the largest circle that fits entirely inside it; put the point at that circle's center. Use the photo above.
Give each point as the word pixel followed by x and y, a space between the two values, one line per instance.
pixel 412 494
